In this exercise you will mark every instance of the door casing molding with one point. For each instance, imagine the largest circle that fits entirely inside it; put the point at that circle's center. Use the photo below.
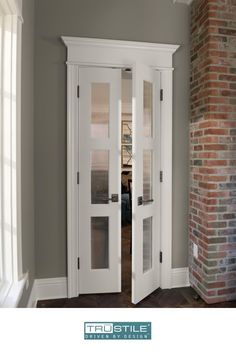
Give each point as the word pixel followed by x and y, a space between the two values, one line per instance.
pixel 118 54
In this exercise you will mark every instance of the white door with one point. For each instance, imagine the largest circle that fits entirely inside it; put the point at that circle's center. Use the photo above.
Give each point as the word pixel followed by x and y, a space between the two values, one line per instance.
pixel 99 180
pixel 146 183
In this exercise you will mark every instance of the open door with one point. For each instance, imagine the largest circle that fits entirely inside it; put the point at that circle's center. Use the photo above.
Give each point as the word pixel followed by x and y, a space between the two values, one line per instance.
pixel 146 183
pixel 99 180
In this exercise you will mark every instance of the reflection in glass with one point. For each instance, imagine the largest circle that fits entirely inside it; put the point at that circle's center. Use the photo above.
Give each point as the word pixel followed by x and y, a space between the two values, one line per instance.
pixel 99 242
pixel 147 244
pixel 147 174
pixel 147 108
pixel 126 155
pixel 99 177
pixel 100 107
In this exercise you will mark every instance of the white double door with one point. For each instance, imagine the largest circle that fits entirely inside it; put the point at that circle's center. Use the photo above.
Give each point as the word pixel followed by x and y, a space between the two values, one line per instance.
pixel 100 181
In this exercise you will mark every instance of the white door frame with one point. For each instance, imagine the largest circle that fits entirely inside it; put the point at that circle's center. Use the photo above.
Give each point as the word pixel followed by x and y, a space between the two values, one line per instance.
pixel 113 53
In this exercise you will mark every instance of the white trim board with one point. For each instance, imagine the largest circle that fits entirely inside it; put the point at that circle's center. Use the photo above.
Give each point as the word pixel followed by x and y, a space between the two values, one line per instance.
pixel 15 293
pixel 10 198
pixel 32 301
pixel 113 53
pixel 47 289
pixel 110 43
pixel 187 2
pixel 56 288
pixel 180 277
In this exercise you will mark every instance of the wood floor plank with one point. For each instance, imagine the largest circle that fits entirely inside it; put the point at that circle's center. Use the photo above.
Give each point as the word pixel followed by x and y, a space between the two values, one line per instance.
pixel 171 298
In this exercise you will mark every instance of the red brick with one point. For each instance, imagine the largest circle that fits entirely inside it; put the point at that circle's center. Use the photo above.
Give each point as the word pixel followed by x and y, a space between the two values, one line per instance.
pixel 215 178
pixel 215 132
pixel 209 139
pixel 207 185
pixel 216 147
pixel 215 285
pixel 208 155
pixel 227 78
pixel 215 163
pixel 217 84
pixel 216 115
pixel 217 69
pixel 215 300
pixel 228 93
pixel 219 194
pixel 208 124
pixel 226 291
pixel 228 124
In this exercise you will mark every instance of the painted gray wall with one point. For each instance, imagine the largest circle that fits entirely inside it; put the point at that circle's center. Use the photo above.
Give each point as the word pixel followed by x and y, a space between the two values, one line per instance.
pixel 149 20
pixel 27 117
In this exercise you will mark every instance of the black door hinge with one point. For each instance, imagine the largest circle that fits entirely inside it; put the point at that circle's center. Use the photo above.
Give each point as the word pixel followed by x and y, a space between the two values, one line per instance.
pixel 160 257
pixel 77 177
pixel 78 263
pixel 161 176
pixel 78 91
pixel 161 95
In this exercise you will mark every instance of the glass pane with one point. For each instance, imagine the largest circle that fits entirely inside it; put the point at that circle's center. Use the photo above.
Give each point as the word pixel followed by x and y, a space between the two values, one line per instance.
pixel 100 177
pixel 99 242
pixel 100 107
pixel 147 244
pixel 147 174
pixel 147 108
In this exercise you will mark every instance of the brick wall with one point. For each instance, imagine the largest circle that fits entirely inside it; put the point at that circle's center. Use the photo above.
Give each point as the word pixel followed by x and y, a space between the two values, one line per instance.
pixel 213 149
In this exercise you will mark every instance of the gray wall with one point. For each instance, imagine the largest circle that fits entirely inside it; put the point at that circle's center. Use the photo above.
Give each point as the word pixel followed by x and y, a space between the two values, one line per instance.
pixel 27 112
pixel 140 20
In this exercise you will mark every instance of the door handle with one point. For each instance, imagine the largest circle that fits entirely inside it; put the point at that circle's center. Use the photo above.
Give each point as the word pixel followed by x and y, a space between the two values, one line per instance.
pixel 114 198
pixel 142 201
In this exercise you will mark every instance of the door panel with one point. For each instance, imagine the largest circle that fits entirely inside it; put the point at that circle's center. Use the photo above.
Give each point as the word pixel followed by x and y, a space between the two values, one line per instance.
pixel 146 184
pixel 99 166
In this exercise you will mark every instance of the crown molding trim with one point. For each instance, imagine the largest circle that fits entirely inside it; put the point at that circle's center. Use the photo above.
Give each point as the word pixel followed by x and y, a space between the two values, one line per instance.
pixel 187 2
pixel 79 41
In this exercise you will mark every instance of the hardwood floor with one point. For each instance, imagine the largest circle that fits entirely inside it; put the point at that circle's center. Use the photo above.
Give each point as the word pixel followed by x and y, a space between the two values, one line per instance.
pixel 181 297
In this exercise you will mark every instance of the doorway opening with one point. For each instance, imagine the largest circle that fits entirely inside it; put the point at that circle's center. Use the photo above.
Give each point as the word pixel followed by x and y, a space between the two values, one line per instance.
pixel 119 159
pixel 90 74
pixel 126 181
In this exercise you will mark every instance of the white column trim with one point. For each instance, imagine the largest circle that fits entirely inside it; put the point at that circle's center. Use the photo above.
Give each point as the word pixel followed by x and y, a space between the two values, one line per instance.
pixel 72 187
pixel 166 186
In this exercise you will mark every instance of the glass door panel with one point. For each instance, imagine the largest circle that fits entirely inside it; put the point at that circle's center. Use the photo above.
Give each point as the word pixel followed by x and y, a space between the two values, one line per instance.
pixel 99 177
pixel 147 174
pixel 100 107
pixel 147 244
pixel 99 242
pixel 147 108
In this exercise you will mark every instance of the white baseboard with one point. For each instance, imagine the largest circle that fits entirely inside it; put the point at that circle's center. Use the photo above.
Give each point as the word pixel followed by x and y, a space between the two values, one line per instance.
pixel 52 288
pixel 56 288
pixel 32 302
pixel 180 277
pixel 46 289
